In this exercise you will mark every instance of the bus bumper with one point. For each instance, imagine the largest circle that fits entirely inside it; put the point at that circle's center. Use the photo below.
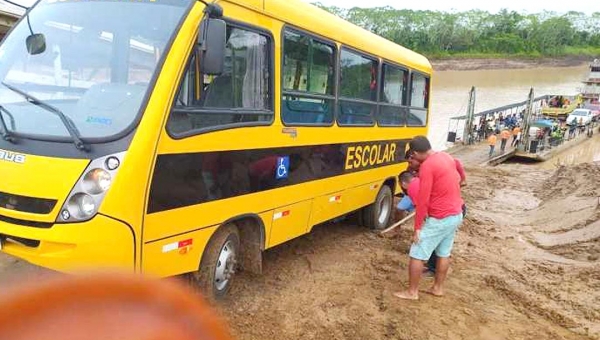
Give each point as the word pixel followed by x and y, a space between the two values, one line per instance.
pixel 100 243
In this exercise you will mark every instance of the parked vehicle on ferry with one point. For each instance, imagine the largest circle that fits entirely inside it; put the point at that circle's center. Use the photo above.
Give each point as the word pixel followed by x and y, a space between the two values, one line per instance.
pixel 584 114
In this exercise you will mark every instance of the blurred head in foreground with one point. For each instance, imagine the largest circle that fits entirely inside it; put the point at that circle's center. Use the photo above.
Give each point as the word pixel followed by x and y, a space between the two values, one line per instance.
pixel 107 307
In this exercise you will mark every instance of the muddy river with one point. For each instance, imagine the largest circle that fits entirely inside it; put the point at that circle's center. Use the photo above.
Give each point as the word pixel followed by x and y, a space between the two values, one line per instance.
pixel 495 88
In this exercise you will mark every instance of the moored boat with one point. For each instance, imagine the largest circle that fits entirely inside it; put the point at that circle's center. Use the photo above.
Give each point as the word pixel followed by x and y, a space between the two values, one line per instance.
pixel 561 106
pixel 590 92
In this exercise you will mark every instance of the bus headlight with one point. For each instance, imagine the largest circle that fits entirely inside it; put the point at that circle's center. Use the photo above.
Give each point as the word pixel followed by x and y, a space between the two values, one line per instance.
pixel 96 181
pixel 84 200
pixel 81 205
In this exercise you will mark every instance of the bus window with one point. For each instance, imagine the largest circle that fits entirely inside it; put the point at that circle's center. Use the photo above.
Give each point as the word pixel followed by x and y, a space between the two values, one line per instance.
pixel 308 81
pixel 419 100
pixel 358 89
pixel 393 98
pixel 238 97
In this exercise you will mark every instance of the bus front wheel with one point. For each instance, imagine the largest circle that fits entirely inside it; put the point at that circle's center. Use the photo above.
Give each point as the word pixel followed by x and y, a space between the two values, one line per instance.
pixel 378 215
pixel 219 263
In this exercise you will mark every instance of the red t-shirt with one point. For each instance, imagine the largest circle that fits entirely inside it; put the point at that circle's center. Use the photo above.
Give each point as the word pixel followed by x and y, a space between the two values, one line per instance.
pixel 439 192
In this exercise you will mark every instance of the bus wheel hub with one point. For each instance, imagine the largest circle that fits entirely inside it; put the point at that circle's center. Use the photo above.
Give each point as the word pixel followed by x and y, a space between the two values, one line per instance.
pixel 225 265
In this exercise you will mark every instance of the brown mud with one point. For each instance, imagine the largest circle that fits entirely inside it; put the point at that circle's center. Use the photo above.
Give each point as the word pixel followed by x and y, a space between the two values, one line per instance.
pixel 337 283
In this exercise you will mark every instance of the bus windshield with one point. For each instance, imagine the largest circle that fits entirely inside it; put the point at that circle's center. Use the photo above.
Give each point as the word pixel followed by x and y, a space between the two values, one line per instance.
pixel 99 59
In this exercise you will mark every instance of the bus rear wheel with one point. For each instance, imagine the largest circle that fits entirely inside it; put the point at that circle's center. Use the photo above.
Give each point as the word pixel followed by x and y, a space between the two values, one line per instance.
pixel 219 263
pixel 377 216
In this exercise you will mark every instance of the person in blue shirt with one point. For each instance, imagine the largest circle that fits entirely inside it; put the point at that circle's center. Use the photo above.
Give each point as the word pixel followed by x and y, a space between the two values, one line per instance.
pixel 406 204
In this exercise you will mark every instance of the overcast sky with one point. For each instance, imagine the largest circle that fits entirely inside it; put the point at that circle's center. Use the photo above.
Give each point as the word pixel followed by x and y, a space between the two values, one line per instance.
pixel 21 2
pixel 529 6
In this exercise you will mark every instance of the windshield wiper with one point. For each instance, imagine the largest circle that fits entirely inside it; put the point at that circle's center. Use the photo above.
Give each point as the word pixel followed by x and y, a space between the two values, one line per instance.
pixel 6 134
pixel 67 122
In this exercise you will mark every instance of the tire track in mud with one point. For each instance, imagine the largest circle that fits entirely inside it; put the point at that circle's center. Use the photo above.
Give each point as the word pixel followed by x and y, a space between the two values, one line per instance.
pixel 526 305
pixel 554 274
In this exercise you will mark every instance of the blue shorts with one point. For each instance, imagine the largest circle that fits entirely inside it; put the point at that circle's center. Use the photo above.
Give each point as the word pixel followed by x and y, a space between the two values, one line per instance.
pixel 436 235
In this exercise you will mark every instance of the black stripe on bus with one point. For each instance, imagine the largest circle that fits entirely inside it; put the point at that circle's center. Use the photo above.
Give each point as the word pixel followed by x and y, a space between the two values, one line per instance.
pixel 182 180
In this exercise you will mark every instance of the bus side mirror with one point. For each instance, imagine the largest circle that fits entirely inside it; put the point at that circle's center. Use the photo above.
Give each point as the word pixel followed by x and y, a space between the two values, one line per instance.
pixel 211 40
pixel 36 44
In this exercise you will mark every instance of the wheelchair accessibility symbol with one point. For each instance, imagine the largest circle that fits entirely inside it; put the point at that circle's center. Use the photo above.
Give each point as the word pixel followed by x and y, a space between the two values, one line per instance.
pixel 283 166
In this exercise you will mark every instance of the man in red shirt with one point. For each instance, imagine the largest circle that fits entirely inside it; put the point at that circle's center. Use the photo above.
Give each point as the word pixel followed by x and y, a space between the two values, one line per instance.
pixel 413 168
pixel 439 213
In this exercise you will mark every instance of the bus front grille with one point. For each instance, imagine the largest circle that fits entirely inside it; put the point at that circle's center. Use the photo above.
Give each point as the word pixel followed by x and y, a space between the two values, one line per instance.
pixel 26 204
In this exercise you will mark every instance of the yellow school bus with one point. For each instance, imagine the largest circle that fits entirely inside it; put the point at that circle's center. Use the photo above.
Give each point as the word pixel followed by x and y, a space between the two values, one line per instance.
pixel 170 137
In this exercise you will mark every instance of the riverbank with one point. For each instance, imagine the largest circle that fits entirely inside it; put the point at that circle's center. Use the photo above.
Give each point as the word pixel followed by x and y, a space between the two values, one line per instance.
pixel 471 64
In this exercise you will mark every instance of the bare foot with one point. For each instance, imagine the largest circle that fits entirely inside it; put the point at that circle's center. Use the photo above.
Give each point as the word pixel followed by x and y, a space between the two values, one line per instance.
pixel 435 292
pixel 406 295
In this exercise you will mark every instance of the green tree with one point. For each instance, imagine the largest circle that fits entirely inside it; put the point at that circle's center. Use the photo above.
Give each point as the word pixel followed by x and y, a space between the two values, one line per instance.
pixel 553 35
pixel 506 32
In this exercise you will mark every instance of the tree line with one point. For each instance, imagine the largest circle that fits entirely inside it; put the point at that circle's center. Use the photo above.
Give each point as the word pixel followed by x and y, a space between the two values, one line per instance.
pixel 476 32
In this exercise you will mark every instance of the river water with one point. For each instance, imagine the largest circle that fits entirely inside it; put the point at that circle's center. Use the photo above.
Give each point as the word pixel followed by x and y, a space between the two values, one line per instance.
pixel 450 93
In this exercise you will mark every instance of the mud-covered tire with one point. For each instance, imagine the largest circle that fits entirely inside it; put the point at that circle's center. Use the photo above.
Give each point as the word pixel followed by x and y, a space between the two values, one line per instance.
pixel 378 215
pixel 219 263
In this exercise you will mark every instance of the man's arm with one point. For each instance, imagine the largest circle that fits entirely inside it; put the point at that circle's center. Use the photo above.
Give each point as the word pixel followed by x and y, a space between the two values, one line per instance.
pixel 424 195
pixel 461 172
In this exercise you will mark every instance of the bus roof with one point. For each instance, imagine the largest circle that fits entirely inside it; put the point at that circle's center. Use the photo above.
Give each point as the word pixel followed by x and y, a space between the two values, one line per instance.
pixel 306 16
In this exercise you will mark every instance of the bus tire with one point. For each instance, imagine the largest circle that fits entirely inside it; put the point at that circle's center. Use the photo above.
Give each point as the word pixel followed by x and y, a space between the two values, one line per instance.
pixel 377 216
pixel 219 263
